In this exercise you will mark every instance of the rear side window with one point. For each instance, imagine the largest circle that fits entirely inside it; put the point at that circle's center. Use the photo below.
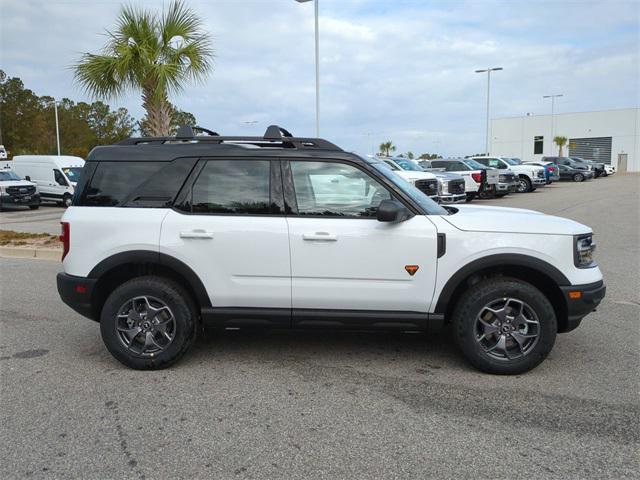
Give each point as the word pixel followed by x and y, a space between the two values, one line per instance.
pixel 233 187
pixel 136 184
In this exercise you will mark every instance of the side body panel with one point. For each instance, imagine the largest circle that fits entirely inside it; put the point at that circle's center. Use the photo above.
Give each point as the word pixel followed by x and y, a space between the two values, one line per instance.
pixel 242 260
pixel 359 264
pixel 97 233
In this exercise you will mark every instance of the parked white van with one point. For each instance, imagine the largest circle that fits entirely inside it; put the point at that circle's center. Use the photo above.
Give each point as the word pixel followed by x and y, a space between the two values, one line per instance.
pixel 56 176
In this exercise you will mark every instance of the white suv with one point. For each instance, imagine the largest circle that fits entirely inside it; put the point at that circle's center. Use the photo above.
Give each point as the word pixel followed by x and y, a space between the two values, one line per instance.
pixel 166 235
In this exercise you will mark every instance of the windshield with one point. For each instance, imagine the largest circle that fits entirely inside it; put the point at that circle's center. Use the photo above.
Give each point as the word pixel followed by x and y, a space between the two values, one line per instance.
pixel 428 205
pixel 8 175
pixel 473 164
pixel 72 173
pixel 408 165
pixel 512 161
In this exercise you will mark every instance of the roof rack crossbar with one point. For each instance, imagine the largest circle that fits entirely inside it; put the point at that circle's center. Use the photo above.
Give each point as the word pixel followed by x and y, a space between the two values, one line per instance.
pixel 274 137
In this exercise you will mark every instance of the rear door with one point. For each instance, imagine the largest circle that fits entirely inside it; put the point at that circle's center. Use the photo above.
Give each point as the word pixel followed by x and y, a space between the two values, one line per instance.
pixel 344 260
pixel 231 231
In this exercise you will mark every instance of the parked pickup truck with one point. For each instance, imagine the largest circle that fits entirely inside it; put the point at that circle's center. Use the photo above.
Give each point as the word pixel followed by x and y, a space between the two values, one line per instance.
pixel 14 191
pixel 298 233
pixel 425 181
pixel 529 177
pixel 479 180
pixel 451 186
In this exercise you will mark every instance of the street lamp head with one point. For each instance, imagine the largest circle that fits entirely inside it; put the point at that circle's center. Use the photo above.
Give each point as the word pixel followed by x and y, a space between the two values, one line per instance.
pixel 497 68
pixel 304 1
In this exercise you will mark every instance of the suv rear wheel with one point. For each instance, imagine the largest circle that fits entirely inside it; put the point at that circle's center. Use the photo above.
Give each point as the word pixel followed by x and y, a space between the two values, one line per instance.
pixel 148 323
pixel 504 326
pixel 578 177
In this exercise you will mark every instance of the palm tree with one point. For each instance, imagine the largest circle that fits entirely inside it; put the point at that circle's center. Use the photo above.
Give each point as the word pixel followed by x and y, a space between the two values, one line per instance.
pixel 561 142
pixel 387 147
pixel 156 55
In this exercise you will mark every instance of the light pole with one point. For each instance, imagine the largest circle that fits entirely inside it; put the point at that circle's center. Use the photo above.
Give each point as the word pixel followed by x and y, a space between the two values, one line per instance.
pixel 553 99
pixel 55 108
pixel 317 35
pixel 488 70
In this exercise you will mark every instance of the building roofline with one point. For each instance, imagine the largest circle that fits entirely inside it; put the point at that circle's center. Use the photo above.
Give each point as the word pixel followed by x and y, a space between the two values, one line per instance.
pixel 567 113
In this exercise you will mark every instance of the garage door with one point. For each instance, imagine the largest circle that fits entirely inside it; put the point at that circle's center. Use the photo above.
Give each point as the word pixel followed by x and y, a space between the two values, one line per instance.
pixel 597 149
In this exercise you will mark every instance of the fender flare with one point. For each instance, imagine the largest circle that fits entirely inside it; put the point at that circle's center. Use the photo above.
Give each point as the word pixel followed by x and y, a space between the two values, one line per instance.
pixel 157 258
pixel 498 260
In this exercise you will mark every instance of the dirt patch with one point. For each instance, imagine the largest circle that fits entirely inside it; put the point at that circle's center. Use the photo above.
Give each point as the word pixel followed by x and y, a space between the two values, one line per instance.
pixel 10 238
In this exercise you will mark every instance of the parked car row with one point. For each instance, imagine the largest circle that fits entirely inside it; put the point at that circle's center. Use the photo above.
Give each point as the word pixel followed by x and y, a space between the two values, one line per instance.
pixel 458 180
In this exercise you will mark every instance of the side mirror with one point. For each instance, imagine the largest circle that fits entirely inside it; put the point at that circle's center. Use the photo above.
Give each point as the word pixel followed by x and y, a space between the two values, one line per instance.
pixel 27 178
pixel 392 211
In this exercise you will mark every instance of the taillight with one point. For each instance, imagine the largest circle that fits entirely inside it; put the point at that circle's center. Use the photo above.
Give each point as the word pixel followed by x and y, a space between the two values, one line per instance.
pixel 65 238
pixel 477 177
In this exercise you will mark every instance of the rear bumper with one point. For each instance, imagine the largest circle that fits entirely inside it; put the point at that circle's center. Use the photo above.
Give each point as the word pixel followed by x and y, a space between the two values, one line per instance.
pixel 76 292
pixel 590 296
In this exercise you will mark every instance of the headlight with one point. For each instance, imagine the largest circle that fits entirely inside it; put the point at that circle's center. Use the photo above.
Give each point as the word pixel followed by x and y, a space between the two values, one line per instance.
pixel 584 246
pixel 444 185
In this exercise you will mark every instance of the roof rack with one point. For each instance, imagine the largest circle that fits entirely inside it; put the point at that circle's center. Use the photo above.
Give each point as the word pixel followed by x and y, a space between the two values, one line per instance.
pixel 274 137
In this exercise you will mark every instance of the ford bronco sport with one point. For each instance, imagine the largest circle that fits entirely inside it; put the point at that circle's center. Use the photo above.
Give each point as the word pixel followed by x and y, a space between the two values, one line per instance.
pixel 166 235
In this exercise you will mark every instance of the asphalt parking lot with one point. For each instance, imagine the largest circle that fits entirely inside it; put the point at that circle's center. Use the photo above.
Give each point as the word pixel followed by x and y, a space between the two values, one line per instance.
pixel 44 220
pixel 329 405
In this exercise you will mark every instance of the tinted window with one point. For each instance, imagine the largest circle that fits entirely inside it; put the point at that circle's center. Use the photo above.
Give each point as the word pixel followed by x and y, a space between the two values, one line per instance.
pixel 73 173
pixel 60 180
pixel 538 145
pixel 336 189
pixel 239 187
pixel 135 184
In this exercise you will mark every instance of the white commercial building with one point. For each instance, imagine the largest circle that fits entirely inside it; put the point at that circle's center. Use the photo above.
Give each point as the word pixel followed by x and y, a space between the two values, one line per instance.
pixel 609 136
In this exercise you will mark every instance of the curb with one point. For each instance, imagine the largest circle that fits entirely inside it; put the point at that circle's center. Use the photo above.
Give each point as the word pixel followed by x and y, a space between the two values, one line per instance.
pixel 39 253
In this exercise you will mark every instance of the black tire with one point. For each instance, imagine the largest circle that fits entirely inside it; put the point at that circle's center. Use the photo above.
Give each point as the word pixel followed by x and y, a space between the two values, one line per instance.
pixel 162 290
pixel 470 197
pixel 473 302
pixel 578 177
pixel 67 200
pixel 524 184
pixel 34 207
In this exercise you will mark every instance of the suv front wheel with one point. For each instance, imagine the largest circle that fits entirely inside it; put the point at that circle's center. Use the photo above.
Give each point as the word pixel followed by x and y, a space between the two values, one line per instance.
pixel 148 323
pixel 504 326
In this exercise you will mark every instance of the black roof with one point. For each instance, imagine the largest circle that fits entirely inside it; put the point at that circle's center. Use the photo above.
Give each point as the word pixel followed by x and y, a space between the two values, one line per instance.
pixel 276 142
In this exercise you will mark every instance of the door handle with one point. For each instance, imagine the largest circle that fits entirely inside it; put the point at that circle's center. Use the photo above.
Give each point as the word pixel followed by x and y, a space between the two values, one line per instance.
pixel 320 236
pixel 196 234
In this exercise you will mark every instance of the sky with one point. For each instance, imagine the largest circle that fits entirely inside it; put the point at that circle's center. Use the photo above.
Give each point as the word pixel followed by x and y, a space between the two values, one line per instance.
pixel 396 70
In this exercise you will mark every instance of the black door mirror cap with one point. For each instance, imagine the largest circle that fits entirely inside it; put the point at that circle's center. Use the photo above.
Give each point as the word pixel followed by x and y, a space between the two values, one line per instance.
pixel 392 211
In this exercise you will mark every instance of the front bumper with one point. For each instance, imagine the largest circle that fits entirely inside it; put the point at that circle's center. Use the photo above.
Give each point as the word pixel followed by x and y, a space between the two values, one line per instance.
pixel 17 200
pixel 506 187
pixel 581 300
pixel 76 292
pixel 454 198
pixel 539 181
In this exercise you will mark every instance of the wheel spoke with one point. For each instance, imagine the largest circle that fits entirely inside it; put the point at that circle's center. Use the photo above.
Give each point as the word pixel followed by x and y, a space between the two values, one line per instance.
pixel 499 314
pixel 145 325
pixel 131 333
pixel 489 328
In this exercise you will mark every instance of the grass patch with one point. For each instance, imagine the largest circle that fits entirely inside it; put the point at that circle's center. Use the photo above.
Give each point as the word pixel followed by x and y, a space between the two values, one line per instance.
pixel 8 237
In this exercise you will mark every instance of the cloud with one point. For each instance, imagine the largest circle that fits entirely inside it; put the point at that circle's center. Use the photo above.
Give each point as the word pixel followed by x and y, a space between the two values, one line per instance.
pixel 399 70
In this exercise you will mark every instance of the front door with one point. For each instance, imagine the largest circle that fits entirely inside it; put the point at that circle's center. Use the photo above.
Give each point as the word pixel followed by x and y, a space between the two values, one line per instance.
pixel 233 234
pixel 342 258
